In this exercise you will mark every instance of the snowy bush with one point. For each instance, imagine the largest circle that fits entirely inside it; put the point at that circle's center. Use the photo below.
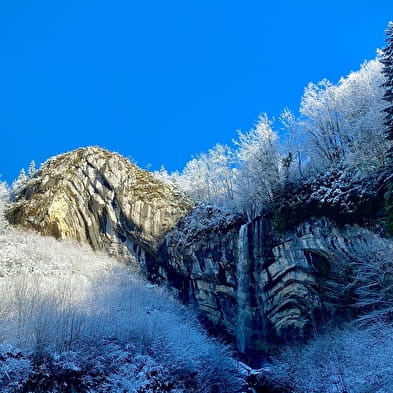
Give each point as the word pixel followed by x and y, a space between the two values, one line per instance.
pixel 15 369
pixel 83 321
pixel 372 283
pixel 344 361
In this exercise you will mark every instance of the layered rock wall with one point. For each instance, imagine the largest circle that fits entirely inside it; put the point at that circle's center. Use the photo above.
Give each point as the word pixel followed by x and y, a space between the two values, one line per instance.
pixel 260 287
pixel 102 199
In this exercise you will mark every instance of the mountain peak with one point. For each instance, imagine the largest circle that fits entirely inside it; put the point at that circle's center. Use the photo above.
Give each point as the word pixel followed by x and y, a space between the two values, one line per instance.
pixel 101 198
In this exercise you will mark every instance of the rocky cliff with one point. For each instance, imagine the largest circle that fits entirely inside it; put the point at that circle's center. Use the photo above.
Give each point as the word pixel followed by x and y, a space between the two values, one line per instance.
pixel 100 198
pixel 260 287
pixel 248 282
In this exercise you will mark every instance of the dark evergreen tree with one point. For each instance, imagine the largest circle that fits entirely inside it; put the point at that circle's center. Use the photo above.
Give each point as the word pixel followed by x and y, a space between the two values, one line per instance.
pixel 387 70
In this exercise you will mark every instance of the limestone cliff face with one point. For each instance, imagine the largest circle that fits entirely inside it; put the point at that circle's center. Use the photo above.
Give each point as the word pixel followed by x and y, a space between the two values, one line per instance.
pixel 259 287
pixel 100 198
pixel 198 261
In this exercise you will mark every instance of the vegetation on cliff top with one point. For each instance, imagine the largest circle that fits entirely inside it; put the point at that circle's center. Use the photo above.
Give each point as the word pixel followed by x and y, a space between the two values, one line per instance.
pixel 330 160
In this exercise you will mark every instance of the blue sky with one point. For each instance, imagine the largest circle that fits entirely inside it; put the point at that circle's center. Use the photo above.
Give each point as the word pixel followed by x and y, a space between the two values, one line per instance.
pixel 159 81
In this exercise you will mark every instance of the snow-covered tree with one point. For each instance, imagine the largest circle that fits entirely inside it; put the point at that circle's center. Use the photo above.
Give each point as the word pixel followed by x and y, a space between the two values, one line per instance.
pixel 293 144
pixel 322 122
pixel 209 177
pixel 3 200
pixel 387 70
pixel 359 100
pixel 194 179
pixel 32 169
pixel 221 168
pixel 344 122
pixel 19 182
pixel 258 167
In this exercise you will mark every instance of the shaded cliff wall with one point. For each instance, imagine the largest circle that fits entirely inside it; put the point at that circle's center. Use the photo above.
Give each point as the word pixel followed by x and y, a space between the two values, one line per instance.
pixel 198 262
pixel 259 287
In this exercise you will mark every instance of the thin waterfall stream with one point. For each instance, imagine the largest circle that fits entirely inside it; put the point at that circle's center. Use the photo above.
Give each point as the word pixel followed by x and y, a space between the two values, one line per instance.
pixel 243 291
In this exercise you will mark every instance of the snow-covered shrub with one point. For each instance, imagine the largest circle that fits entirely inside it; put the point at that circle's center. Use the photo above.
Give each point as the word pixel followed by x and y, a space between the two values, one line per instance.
pixel 204 219
pixel 83 320
pixel 349 360
pixel 15 369
pixel 372 283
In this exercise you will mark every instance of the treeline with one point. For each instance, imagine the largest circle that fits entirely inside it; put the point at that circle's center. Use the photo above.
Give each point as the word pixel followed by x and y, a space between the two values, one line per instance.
pixel 340 127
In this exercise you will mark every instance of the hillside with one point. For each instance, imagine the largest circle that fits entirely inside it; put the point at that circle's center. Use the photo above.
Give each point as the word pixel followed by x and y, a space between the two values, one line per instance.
pixel 73 320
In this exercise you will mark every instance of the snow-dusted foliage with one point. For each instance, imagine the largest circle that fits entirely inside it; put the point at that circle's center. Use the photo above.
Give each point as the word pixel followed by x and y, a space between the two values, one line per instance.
pixel 372 283
pixel 355 358
pixel 210 177
pixel 341 127
pixel 3 200
pixel 348 360
pixel 258 166
pixel 74 319
pixel 292 146
pixel 19 182
pixel 387 70
pixel 15 369
pixel 344 122
pixel 202 220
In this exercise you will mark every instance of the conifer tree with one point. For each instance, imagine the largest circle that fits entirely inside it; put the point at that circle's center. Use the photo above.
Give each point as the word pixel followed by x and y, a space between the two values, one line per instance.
pixel 32 169
pixel 387 70
pixel 18 183
pixel 3 199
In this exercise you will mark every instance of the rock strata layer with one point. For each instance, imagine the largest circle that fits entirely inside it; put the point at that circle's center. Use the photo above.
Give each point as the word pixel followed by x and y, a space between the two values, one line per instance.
pixel 101 198
pixel 259 287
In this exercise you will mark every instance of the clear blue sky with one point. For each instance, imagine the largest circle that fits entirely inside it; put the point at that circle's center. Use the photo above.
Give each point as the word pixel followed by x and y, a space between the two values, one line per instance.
pixel 161 80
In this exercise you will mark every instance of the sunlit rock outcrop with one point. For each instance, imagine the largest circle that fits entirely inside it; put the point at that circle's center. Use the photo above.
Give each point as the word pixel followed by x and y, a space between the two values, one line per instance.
pixel 100 198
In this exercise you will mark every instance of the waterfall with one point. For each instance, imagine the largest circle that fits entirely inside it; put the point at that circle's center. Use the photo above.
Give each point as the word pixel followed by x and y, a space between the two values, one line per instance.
pixel 243 290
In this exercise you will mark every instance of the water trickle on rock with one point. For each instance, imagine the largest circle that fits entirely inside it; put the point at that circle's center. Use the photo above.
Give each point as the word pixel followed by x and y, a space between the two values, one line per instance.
pixel 243 291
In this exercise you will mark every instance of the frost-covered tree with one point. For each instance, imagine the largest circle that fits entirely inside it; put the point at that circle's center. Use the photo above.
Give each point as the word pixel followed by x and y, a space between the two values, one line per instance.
pixel 170 179
pixel 359 100
pixel 209 177
pixel 19 182
pixel 258 167
pixel 387 70
pixel 3 200
pixel 32 169
pixel 344 122
pixel 221 162
pixel 293 144
pixel 194 179
pixel 322 121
